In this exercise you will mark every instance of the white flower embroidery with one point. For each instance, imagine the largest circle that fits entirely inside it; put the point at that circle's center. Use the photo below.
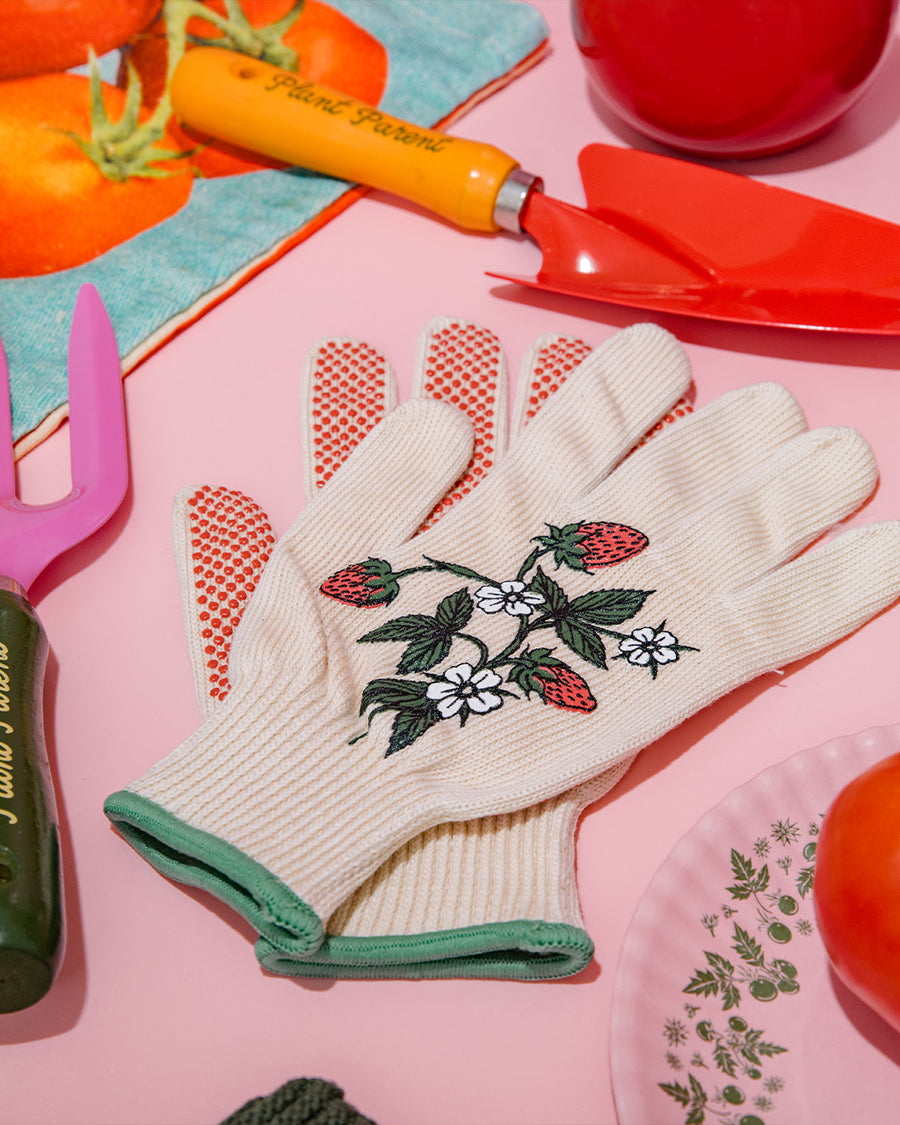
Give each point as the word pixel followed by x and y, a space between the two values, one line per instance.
pixel 511 597
pixel 460 687
pixel 649 646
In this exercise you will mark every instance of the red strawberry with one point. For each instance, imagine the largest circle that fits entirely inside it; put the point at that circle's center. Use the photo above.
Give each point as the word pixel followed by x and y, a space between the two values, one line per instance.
pixel 605 544
pixel 590 546
pixel 363 584
pixel 567 690
pixel 556 683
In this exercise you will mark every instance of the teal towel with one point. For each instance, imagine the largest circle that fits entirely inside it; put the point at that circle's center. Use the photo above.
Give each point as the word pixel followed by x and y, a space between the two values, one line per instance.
pixel 440 55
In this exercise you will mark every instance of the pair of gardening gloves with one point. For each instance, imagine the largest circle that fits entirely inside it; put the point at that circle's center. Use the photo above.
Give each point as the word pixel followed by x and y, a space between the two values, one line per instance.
pixel 410 698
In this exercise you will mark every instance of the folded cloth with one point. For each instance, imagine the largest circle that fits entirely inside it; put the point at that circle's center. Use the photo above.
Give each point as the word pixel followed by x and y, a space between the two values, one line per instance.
pixel 190 241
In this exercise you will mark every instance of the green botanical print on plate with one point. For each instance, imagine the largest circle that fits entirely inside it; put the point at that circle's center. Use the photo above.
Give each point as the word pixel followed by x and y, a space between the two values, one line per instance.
pixel 583 626
pixel 721 1061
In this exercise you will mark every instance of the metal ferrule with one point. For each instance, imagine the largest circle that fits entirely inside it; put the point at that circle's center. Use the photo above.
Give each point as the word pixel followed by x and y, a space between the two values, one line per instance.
pixel 512 197
pixel 11 586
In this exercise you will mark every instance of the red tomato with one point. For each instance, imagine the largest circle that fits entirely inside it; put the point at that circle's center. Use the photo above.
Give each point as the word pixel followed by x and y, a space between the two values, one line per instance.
pixel 42 36
pixel 732 77
pixel 58 209
pixel 331 50
pixel 857 887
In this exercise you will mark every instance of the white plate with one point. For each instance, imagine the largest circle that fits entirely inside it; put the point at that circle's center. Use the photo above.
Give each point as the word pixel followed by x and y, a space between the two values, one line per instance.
pixel 725 1010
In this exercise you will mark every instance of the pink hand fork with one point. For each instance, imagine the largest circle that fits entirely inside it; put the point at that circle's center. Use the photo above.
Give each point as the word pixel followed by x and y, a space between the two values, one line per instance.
pixel 32 922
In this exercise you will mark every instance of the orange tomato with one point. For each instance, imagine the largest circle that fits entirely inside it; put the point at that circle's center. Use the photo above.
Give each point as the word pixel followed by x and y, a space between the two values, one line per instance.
pixel 331 50
pixel 42 36
pixel 57 208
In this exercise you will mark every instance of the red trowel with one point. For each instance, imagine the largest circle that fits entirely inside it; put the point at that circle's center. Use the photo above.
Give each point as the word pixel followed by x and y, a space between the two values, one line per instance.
pixel 658 233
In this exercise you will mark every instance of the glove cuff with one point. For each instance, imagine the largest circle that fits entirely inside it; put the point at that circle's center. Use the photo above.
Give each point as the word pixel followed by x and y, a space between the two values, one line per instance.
pixel 520 950
pixel 198 859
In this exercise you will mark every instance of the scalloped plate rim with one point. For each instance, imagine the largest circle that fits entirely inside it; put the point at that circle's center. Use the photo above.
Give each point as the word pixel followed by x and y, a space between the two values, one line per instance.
pixel 628 1032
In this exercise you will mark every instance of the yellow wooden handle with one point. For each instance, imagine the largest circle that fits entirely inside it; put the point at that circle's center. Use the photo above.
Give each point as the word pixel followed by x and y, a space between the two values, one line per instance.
pixel 269 110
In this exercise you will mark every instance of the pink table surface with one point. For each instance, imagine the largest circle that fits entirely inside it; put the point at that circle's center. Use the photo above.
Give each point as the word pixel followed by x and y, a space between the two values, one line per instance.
pixel 161 1015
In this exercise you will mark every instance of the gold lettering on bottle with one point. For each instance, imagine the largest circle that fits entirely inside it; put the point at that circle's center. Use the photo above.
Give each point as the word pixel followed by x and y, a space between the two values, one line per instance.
pixel 6 752
pixel 4 679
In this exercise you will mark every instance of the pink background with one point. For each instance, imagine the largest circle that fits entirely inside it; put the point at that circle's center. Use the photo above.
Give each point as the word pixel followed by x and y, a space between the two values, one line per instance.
pixel 161 1015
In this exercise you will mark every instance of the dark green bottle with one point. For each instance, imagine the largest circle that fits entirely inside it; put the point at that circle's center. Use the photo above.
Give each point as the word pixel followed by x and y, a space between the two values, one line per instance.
pixel 31 909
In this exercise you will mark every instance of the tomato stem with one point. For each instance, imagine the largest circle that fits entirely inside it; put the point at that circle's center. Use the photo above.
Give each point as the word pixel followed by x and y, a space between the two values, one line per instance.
pixel 238 34
pixel 123 148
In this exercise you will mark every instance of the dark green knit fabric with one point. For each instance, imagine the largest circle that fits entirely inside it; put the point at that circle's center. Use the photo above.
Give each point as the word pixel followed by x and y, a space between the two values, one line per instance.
pixel 302 1101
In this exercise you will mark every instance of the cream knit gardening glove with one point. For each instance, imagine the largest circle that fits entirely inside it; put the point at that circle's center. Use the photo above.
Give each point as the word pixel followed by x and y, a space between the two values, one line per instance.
pixel 347 738
pixel 494 897
pixel 630 398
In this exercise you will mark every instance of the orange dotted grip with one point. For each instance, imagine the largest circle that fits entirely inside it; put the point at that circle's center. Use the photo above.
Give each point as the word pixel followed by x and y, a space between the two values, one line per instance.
pixel 230 543
pixel 462 366
pixel 268 110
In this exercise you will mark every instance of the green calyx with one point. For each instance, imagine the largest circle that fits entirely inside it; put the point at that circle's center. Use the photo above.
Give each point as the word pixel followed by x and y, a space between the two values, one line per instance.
pixel 238 34
pixel 565 543
pixel 532 668
pixel 124 148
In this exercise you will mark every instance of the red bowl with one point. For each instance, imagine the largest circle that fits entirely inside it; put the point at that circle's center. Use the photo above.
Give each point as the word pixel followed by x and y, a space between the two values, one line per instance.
pixel 732 77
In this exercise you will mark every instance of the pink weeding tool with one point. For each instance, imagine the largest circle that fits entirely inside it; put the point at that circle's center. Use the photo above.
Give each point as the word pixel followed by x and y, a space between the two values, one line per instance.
pixel 32 921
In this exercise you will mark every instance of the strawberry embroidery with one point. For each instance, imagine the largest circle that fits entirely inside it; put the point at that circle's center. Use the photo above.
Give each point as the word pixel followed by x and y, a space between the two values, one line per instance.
pixel 583 625
pixel 368 583
pixel 591 546
pixel 569 692
pixel 538 670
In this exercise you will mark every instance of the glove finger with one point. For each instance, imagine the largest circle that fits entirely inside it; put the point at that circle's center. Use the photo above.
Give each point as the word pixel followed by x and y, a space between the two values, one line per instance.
pixel 223 540
pixel 812 482
pixel 387 486
pixel 346 387
pixel 462 363
pixel 839 585
pixel 704 455
pixel 622 389
pixel 549 361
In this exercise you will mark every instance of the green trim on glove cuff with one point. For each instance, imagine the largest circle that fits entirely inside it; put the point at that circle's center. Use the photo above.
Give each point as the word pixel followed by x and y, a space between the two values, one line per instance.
pixel 521 950
pixel 196 858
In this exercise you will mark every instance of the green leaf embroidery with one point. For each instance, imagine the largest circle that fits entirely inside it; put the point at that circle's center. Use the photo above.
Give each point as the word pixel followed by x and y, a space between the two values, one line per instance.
pixel 407 628
pixel 583 640
pixel 455 611
pixel 608 607
pixel 459 571
pixel 805 880
pixel 553 594
pixel 408 726
pixel 430 638
pixel 534 601
pixel 415 713
pixel 393 695
pixel 425 653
